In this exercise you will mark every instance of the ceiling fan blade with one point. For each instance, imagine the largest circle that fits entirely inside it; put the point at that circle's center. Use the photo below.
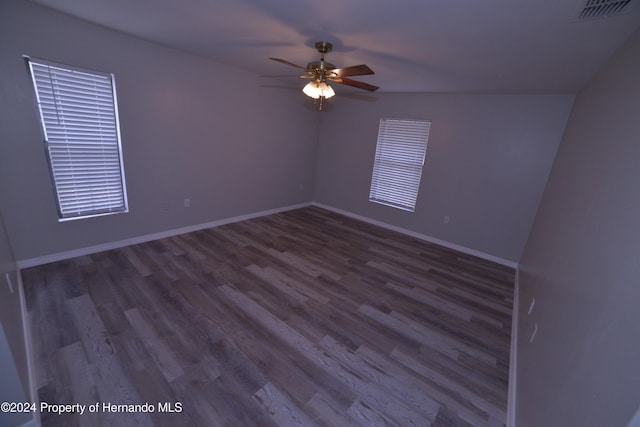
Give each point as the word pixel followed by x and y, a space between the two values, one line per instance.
pixel 305 76
pixel 356 70
pixel 355 83
pixel 288 63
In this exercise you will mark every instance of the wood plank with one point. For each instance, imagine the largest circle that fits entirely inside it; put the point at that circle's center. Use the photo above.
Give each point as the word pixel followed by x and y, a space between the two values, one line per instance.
pixel 392 380
pixel 464 392
pixel 328 410
pixel 282 408
pixel 331 365
pixel 160 352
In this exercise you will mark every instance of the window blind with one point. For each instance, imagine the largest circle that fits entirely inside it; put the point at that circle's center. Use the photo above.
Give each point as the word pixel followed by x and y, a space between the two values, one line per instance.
pixel 397 168
pixel 79 122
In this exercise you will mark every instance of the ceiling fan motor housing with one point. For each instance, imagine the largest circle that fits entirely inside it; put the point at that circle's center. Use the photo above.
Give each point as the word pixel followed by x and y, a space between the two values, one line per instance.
pixel 324 47
pixel 320 65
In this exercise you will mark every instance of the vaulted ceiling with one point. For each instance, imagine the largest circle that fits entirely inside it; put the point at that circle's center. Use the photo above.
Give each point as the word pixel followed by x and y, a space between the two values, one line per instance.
pixel 471 46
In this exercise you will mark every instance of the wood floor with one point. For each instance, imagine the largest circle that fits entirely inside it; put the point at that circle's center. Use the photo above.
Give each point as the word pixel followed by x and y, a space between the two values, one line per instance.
pixel 303 318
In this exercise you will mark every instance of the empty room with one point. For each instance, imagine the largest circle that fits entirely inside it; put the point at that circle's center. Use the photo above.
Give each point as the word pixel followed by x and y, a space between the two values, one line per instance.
pixel 260 213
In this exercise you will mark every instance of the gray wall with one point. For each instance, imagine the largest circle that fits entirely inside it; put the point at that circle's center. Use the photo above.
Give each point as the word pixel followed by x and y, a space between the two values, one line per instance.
pixel 487 162
pixel 581 264
pixel 232 142
pixel 13 356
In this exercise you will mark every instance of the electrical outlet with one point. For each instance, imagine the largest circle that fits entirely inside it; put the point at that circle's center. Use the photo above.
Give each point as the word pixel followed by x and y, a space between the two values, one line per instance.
pixel 300 187
pixel 187 203
pixel 446 219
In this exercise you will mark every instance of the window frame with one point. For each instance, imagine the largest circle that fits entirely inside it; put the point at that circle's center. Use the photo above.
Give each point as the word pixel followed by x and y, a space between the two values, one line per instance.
pixel 101 202
pixel 399 160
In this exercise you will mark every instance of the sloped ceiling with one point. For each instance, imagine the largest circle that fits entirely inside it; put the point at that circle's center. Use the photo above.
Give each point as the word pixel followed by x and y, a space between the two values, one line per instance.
pixel 470 46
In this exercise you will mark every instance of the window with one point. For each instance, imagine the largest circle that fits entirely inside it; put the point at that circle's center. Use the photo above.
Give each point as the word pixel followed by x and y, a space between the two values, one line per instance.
pixel 79 121
pixel 400 153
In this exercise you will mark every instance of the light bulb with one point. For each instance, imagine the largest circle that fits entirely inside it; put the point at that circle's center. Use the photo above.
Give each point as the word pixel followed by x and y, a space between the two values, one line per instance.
pixel 312 89
pixel 326 91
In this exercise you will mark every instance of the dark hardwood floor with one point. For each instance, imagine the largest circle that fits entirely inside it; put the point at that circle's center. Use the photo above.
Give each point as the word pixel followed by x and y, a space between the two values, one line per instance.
pixel 303 318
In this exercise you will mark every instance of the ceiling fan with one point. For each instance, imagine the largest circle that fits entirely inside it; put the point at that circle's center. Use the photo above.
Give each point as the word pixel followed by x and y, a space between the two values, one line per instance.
pixel 322 72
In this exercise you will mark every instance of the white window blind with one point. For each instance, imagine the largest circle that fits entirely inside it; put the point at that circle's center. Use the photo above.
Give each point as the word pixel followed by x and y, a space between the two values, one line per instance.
pixel 400 154
pixel 79 119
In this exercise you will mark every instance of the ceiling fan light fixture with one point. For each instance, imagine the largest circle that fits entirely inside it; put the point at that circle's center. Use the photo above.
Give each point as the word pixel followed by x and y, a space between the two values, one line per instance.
pixel 317 89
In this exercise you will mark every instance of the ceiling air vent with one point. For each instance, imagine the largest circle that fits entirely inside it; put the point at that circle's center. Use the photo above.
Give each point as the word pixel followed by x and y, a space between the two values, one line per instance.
pixel 594 9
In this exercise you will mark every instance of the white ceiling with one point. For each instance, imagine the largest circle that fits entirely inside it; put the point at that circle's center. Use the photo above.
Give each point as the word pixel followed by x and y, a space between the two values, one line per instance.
pixel 479 46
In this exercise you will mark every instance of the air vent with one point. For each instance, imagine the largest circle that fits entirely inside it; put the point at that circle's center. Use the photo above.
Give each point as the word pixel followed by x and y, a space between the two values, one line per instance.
pixel 594 9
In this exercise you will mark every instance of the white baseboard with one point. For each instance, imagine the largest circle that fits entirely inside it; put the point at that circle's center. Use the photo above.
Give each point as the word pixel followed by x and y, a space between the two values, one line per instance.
pixel 420 236
pixel 28 345
pixel 513 359
pixel 32 262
